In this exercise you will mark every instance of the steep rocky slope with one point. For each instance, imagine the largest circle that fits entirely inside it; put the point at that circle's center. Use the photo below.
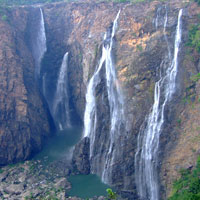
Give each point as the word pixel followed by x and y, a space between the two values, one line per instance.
pixel 183 147
pixel 139 49
pixel 23 116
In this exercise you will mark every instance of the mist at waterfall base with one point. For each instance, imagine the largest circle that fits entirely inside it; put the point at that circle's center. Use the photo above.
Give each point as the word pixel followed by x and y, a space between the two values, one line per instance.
pixel 60 146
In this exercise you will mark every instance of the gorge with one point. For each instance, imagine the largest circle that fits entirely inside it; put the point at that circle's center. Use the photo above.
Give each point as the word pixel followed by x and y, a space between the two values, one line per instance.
pixel 123 72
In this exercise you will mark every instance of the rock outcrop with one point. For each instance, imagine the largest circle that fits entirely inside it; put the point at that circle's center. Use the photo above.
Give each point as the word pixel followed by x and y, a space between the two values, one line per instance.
pixel 81 157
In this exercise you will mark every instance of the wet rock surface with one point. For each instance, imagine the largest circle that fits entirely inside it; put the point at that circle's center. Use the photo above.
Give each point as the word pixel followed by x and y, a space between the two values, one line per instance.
pixel 80 159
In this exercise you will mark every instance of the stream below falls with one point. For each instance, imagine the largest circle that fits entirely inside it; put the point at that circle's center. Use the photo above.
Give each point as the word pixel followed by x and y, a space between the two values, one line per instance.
pixel 59 147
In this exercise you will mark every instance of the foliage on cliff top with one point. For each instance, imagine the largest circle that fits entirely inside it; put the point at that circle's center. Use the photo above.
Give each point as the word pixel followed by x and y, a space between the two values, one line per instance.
pixel 25 2
pixel 30 2
pixel 188 186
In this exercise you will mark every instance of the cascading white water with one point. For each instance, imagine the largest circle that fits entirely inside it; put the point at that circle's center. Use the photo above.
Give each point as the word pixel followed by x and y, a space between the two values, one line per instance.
pixel 146 158
pixel 116 107
pixel 158 16
pixel 61 99
pixel 40 44
pixel 44 84
pixel 115 103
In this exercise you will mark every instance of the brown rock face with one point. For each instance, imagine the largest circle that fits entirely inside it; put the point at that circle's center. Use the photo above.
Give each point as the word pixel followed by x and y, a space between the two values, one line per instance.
pixel 183 146
pixel 23 116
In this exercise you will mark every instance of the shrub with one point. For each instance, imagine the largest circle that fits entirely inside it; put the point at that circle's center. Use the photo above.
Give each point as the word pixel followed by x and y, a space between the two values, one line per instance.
pixel 111 195
pixel 188 186
pixel 194 37
pixel 195 77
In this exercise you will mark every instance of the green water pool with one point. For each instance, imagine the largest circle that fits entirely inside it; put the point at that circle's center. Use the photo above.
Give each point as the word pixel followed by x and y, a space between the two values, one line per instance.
pixel 60 146
pixel 87 186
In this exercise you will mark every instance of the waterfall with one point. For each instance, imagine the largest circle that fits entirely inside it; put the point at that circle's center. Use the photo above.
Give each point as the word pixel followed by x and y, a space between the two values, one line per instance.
pixel 61 99
pixel 40 45
pixel 115 104
pixel 44 84
pixel 146 158
pixel 158 16
pixel 116 107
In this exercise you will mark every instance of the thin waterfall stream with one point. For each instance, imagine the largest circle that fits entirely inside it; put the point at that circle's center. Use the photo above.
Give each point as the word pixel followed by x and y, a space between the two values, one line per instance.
pixel 40 45
pixel 115 104
pixel 61 99
pixel 146 158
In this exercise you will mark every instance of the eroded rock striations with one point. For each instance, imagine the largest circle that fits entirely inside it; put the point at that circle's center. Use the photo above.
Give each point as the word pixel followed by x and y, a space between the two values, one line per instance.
pixel 23 117
pixel 139 49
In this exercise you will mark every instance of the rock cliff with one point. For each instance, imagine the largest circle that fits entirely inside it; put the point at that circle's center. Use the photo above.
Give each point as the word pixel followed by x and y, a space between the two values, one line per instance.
pixel 24 116
pixel 139 50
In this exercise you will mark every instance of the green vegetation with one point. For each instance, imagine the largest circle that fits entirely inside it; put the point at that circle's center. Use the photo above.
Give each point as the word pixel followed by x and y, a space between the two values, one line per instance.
pixel 30 2
pixel 29 197
pixel 139 48
pixel 198 1
pixel 111 194
pixel 24 2
pixel 4 17
pixel 194 37
pixel 189 99
pixel 187 187
pixel 179 121
pixel 195 77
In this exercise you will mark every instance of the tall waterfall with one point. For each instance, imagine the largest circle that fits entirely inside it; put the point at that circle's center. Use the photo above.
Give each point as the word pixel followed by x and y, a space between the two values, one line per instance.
pixel 61 99
pixel 146 158
pixel 40 44
pixel 115 104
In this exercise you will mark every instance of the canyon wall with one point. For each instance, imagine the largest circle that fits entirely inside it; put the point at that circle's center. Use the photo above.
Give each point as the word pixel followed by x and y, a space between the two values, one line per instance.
pixel 139 49
pixel 24 118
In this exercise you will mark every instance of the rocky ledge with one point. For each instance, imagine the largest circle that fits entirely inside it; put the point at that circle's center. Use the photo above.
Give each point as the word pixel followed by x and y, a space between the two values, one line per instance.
pixel 36 180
